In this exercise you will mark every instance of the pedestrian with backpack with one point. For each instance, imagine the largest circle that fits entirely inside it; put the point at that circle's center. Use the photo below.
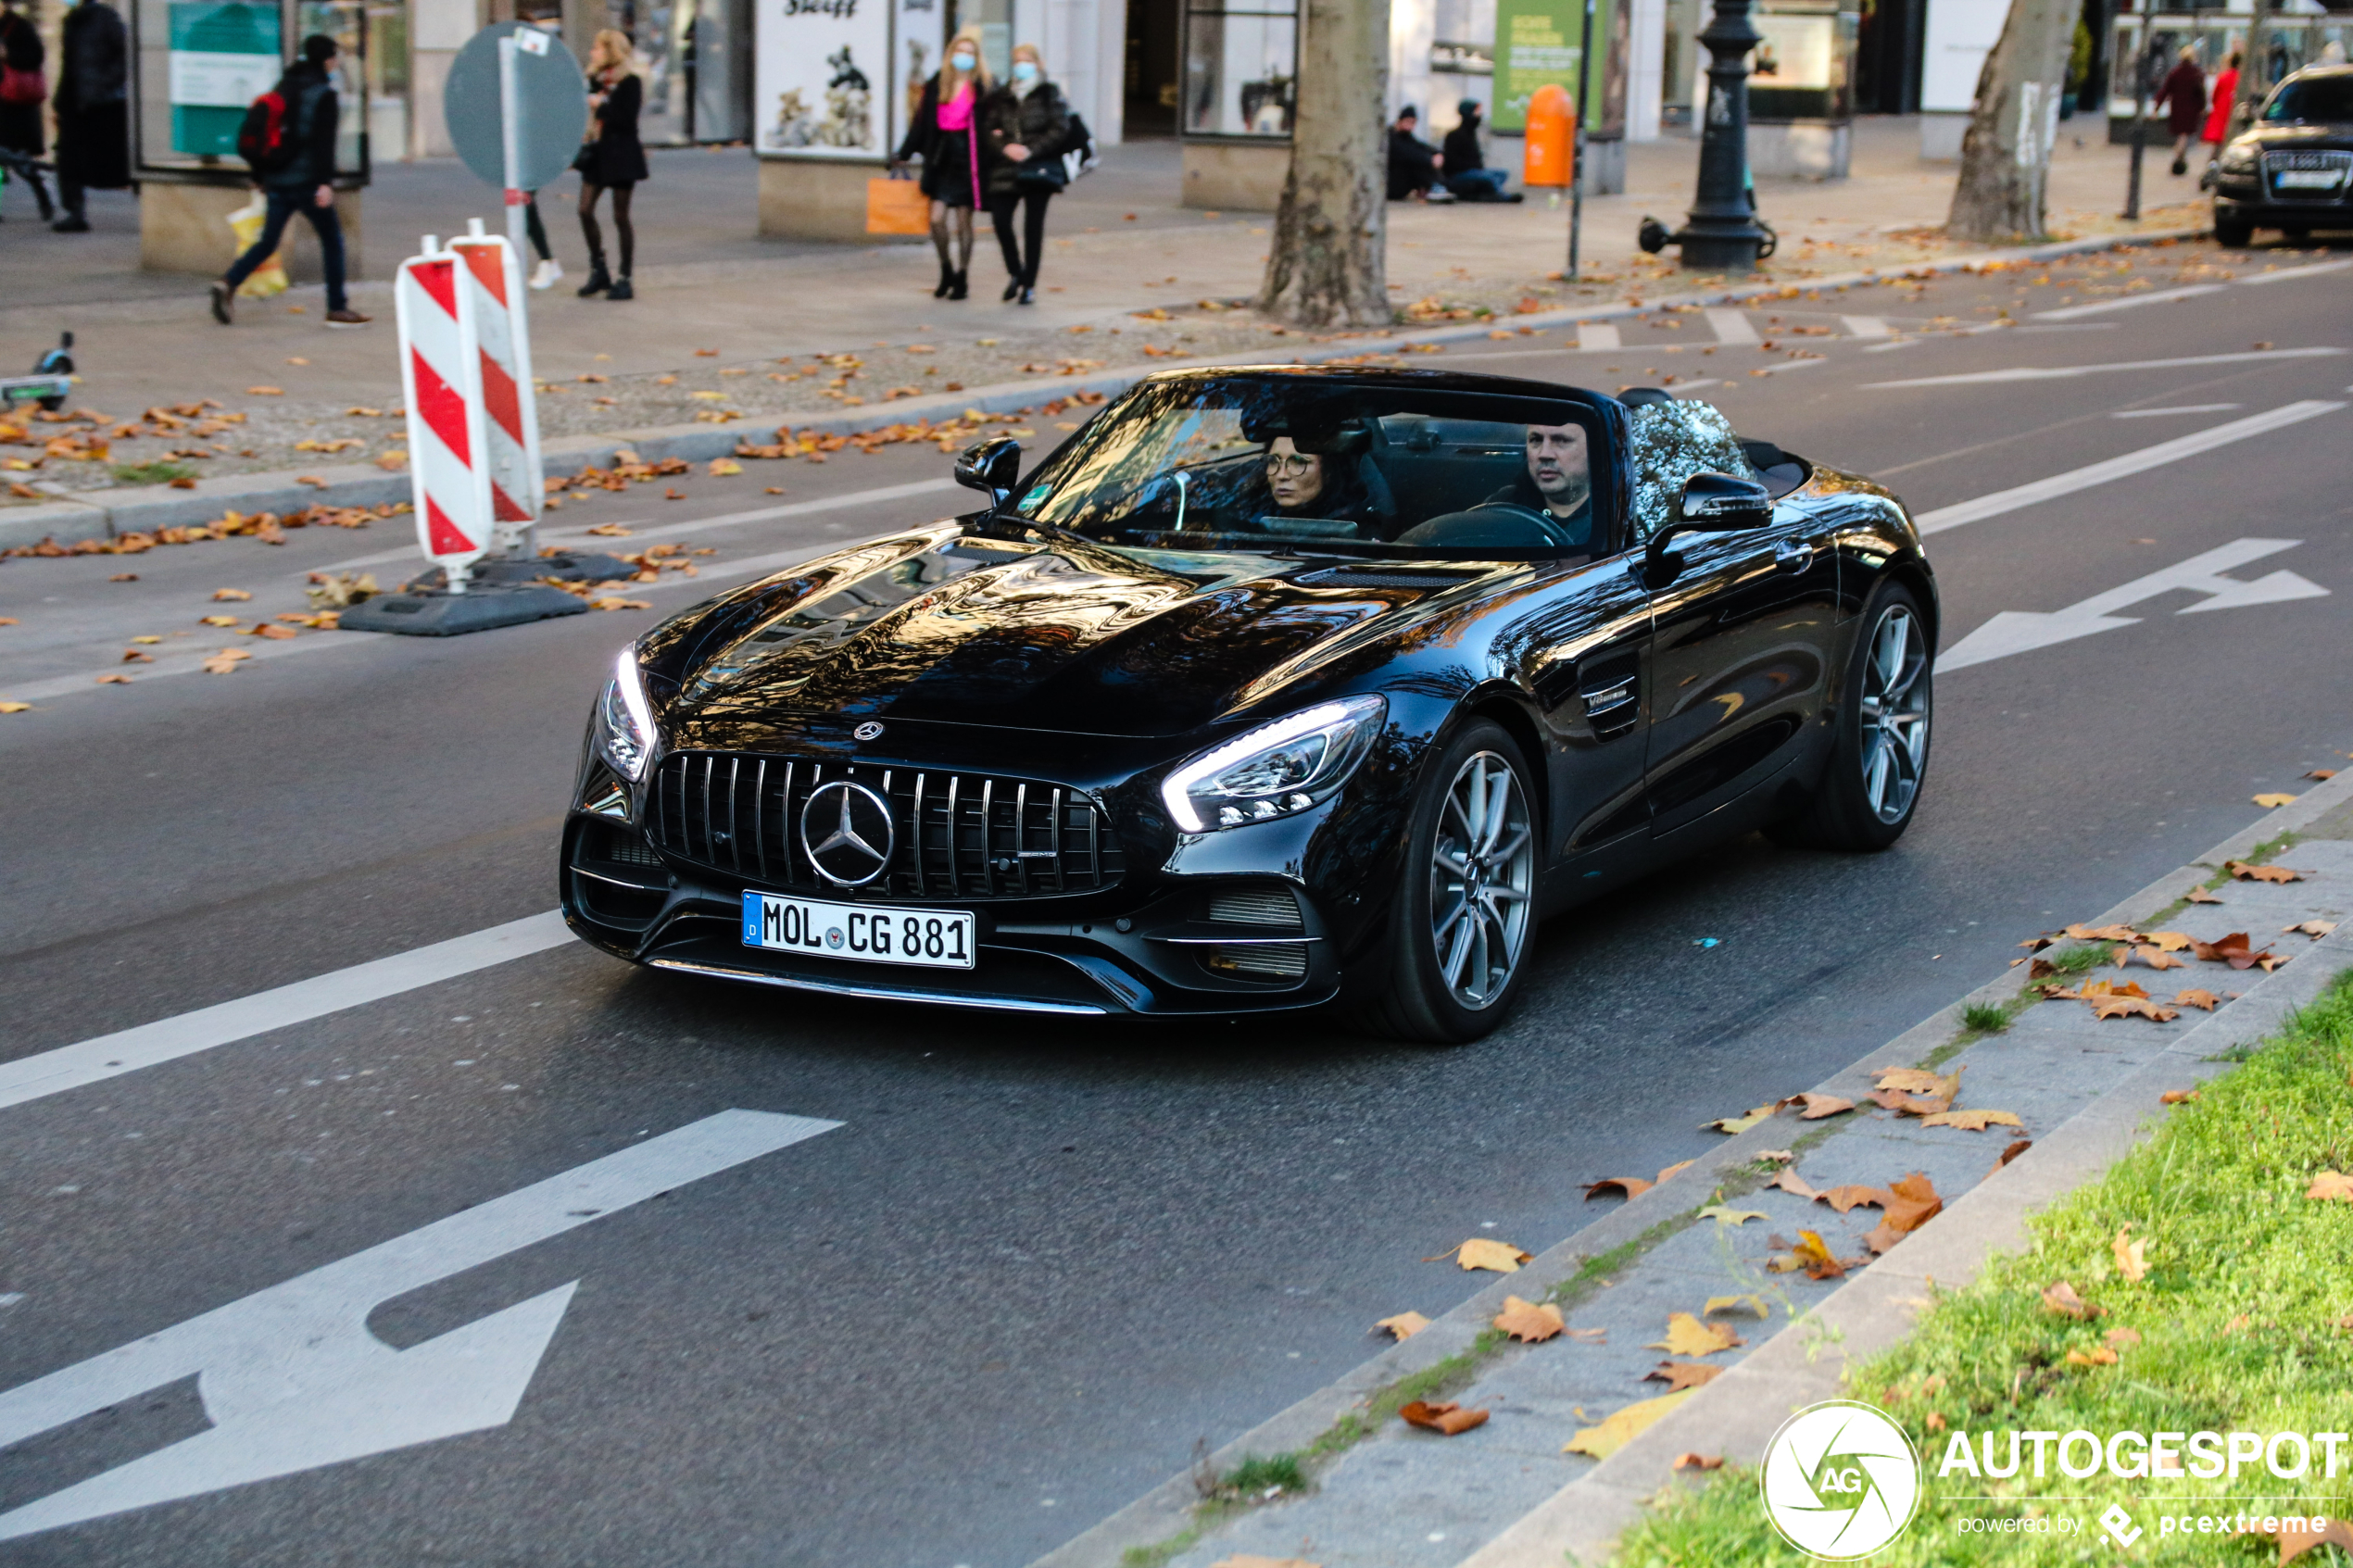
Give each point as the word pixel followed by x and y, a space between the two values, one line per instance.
pixel 611 160
pixel 1025 128
pixel 92 106
pixel 288 140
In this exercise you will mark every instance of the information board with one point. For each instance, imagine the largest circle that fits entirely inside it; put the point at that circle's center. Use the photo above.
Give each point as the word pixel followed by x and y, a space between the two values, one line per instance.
pixel 224 55
pixel 1541 41
pixel 821 77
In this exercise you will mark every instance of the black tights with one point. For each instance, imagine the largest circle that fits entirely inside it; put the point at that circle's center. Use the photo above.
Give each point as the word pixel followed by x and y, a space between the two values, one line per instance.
pixel 622 226
pixel 1033 225
pixel 952 223
pixel 537 231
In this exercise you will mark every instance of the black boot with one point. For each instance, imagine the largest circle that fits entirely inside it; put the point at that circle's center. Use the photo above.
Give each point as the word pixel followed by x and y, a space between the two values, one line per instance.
pixel 2181 166
pixel 621 290
pixel 947 282
pixel 956 288
pixel 598 279
pixel 1028 294
pixel 1010 288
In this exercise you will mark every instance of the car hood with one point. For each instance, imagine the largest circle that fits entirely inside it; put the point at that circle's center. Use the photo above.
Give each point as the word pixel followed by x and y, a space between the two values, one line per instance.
pixel 2284 138
pixel 1079 638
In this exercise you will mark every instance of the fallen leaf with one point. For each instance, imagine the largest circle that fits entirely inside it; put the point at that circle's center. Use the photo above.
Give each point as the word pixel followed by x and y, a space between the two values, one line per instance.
pixel 2155 957
pixel 2170 941
pixel 1530 1323
pixel 1483 1252
pixel 266 390
pixel 2132 1256
pixel 1777 1156
pixel 672 493
pixel 15 708
pixel 1590 1336
pixel 1845 1197
pixel 1816 1105
pixel 2233 949
pixel 1404 1325
pixel 1738 1124
pixel 2207 1000
pixel 217 621
pixel 2245 871
pixel 2132 1007
pixel 2315 929
pixel 1972 1121
pixel 274 632
pixel 2322 775
pixel 619 604
pixel 610 530
pixel 1623 1427
pixel 1686 1336
pixel 1449 1420
pixel 220 664
pixel 1632 1187
pixel 2036 944
pixel 1724 1216
pixel 114 680
pixel 721 467
pixel 2177 1097
pixel 1726 1303
pixel 1680 1166
pixel 133 655
pixel 1911 1080
pixel 392 461
pixel 1790 1180
pixel 2061 1299
pixel 2200 895
pixel 1679 1375
pixel 231 594
pixel 2099 1355
pixel 2275 799
pixel 2330 1185
pixel 1697 1462
pixel 2122 1338
pixel 2103 933
pixel 2298 1533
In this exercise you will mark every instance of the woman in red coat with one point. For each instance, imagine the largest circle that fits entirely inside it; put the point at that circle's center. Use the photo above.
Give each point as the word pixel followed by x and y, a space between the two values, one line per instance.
pixel 2218 117
pixel 2183 100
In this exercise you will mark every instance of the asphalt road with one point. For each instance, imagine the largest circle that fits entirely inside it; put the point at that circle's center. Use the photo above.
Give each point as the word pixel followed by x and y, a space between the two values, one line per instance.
pixel 1036 1260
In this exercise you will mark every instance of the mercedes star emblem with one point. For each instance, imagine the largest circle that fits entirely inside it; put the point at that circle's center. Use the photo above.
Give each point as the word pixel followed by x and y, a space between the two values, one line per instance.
pixel 867 730
pixel 847 831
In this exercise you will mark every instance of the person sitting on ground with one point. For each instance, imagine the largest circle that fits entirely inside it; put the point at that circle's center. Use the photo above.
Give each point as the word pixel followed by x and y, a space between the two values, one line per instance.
pixel 1414 164
pixel 1466 172
pixel 1559 483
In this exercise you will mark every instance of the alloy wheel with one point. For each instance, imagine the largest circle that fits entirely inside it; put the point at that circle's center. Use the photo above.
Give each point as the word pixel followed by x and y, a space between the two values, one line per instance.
pixel 1895 749
pixel 1482 877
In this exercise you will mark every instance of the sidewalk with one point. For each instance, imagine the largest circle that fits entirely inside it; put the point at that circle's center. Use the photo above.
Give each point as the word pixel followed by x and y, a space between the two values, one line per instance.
pixel 731 326
pixel 1712 1241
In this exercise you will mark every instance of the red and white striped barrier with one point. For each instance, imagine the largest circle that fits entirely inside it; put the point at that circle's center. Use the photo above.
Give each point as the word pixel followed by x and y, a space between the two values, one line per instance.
pixel 493 273
pixel 441 372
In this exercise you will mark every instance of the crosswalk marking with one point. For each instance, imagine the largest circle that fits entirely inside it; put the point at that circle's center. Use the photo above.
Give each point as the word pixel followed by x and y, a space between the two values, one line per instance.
pixel 1597 335
pixel 1731 326
pixel 1865 326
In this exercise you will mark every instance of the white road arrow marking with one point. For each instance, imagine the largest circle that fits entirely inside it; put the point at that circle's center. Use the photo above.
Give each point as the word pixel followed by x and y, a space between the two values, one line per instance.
pixel 2023 631
pixel 293 1380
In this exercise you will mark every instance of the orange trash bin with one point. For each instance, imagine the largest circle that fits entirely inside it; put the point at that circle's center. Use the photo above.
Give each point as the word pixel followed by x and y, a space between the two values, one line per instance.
pixel 1549 160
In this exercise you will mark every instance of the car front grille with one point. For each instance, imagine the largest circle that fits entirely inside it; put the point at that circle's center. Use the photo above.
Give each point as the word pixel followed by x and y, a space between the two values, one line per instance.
pixel 957 836
pixel 2290 176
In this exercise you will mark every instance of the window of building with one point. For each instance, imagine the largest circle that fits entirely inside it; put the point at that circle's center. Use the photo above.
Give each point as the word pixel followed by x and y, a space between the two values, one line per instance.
pixel 1242 65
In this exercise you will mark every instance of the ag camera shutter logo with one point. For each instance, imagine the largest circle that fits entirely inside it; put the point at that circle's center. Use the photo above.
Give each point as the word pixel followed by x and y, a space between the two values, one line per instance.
pixel 1841 1480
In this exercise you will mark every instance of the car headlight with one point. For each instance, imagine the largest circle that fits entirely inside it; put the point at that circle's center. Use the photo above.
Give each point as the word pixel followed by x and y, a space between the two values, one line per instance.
pixel 2238 160
pixel 624 719
pixel 1277 769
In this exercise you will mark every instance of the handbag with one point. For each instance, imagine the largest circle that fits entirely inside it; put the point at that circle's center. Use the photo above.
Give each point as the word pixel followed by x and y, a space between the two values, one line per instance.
pixel 897 206
pixel 20 87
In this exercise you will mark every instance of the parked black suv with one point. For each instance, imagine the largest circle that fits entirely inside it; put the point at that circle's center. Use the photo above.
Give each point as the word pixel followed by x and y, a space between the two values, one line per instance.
pixel 2293 169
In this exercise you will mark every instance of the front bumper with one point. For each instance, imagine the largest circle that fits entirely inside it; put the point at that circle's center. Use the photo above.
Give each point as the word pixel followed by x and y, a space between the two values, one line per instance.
pixel 2245 201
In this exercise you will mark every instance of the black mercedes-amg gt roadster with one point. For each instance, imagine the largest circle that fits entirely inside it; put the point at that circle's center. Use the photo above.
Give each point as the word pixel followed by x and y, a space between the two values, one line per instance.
pixel 1269 689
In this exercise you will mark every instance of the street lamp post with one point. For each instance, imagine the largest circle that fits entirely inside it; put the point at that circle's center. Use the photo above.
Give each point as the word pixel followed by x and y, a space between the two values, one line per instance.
pixel 1722 232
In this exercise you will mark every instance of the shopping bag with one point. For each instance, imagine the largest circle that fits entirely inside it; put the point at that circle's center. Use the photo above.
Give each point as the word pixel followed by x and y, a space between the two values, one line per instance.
pixel 897 206
pixel 271 276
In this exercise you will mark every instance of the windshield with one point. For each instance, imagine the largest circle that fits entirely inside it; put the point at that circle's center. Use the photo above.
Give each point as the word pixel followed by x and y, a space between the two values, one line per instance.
pixel 2313 100
pixel 1324 466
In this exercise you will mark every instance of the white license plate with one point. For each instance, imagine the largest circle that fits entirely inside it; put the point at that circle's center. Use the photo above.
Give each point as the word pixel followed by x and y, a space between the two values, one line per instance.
pixel 2308 179
pixel 928 938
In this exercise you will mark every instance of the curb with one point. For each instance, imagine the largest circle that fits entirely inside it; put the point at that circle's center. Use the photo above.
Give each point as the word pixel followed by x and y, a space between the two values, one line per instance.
pixel 144 509
pixel 1736 1414
pixel 1806 1359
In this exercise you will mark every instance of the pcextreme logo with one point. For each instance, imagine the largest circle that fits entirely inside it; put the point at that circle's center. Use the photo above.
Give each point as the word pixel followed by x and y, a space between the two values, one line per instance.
pixel 1841 1480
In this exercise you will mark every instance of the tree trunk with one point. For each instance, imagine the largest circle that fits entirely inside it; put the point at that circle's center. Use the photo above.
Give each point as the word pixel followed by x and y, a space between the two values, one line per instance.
pixel 2006 157
pixel 1328 266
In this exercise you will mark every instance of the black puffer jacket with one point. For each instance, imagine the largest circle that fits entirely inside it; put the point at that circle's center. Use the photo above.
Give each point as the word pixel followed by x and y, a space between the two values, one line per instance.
pixel 1039 120
pixel 96 71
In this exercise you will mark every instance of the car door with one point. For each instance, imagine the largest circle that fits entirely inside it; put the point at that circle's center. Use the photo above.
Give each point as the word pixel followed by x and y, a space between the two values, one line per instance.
pixel 1742 624
pixel 1587 663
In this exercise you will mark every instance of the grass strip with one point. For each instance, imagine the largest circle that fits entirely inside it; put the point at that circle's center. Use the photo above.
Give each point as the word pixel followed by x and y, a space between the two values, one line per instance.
pixel 2244 1318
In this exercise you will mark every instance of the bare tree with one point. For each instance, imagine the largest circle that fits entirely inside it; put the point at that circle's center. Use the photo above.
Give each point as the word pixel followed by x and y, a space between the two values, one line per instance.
pixel 1327 265
pixel 2006 157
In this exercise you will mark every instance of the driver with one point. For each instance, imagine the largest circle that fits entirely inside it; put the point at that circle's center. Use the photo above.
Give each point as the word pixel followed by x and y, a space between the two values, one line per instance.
pixel 1560 474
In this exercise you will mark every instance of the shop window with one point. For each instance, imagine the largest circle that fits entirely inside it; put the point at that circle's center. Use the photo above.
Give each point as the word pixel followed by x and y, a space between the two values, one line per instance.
pixel 1241 63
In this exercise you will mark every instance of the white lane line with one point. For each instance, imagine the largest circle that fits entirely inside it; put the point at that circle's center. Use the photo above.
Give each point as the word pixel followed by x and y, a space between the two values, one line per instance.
pixel 1597 335
pixel 2185 408
pixel 2286 274
pixel 2065 373
pixel 2024 630
pixel 2097 474
pixel 291 1378
pixel 175 661
pixel 1730 326
pixel 2100 306
pixel 109 1056
pixel 1866 326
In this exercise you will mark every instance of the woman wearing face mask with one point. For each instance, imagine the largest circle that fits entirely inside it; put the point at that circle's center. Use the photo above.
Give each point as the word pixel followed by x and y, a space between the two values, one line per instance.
pixel 942 133
pixel 1025 130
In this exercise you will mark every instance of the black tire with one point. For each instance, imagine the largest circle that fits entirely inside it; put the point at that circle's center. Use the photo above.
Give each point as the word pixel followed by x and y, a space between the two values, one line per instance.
pixel 1872 783
pixel 2236 234
pixel 2296 236
pixel 1417 999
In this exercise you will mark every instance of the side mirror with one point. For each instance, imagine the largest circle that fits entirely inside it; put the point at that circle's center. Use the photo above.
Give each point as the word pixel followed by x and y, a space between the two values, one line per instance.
pixel 992 467
pixel 1711 503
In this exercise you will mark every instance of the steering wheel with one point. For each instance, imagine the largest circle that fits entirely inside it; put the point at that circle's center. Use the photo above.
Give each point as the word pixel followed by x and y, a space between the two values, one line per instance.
pixel 1505 525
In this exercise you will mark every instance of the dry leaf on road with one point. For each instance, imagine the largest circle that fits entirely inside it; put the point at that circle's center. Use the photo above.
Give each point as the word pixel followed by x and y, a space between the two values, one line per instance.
pixel 610 530
pixel 1404 1325
pixel 721 468
pixel 2155 957
pixel 114 680
pixel 220 664
pixel 2275 798
pixel 1530 1323
pixel 1972 1121
pixel 1738 1124
pixel 1483 1252
pixel 216 620
pixel 1679 1375
pixel 2061 1299
pixel 274 634
pixel 2132 1256
pixel 2172 941
pixel 1911 1080
pixel 1622 1427
pixel 1679 1167
pixel 1686 1336
pixel 266 390
pixel 1449 1420
pixel 1632 1187
pixel 2315 929
pixel 2132 1007
pixel 1726 1303
pixel 2246 872
pixel 1845 1197
pixel 2330 1185
pixel 1816 1105
pixel 15 708
pixel 2206 1000
pixel 2201 896
pixel 1698 1461
pixel 2012 1152
pixel 1726 1216
pixel 1791 1182
pixel 228 595
pixel 134 656
pixel 1911 1203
